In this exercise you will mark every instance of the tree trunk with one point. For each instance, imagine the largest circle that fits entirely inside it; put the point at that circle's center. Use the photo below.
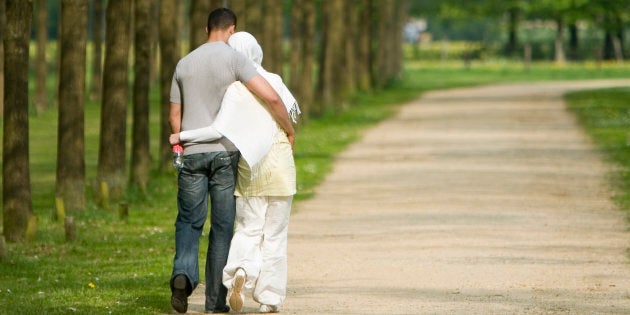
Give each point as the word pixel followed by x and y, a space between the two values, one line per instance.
pixel 97 57
pixel 155 43
pixel 364 46
pixel 272 37
pixel 511 46
pixel 331 78
pixel 41 97
pixel 350 49
pixel 70 142
pixel 2 36
pixel 169 54
pixel 302 37
pixel 307 88
pixel 199 10
pixel 239 7
pixel 398 21
pixel 574 42
pixel 609 48
pixel 16 188
pixel 111 157
pixel 297 46
pixel 181 25
pixel 559 43
pixel 140 154
pixel 383 50
pixel 254 20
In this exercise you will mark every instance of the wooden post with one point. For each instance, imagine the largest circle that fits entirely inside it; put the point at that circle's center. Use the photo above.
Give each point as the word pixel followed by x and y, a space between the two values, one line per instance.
pixel 123 210
pixel 71 231
pixel 31 228
pixel 528 56
pixel 60 210
pixel 3 248
pixel 104 195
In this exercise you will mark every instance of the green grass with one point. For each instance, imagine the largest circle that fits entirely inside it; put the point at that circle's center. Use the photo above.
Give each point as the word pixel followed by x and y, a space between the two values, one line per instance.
pixel 605 114
pixel 118 266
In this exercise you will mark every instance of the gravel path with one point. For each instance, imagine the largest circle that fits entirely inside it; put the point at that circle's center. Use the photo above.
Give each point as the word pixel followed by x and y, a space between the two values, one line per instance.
pixel 484 200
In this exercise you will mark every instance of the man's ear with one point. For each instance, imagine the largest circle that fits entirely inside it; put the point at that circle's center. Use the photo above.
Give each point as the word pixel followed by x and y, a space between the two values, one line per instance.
pixel 231 29
pixel 207 30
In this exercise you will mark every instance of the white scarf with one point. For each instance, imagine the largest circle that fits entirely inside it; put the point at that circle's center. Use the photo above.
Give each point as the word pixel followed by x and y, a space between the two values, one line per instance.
pixel 246 44
pixel 242 119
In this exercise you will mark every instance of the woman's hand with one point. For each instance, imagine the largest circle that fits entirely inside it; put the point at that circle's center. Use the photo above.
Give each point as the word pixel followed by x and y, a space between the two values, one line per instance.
pixel 291 140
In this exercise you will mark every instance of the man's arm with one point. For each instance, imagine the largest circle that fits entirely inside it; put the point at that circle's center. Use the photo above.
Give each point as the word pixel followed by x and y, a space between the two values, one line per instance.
pixel 175 117
pixel 259 86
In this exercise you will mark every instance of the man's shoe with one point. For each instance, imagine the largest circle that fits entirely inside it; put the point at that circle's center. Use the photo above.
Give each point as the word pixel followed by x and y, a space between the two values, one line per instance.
pixel 269 308
pixel 225 309
pixel 179 297
pixel 237 297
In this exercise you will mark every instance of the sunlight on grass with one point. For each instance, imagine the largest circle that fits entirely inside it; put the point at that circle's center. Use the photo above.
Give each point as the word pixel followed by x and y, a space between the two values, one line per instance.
pixel 605 114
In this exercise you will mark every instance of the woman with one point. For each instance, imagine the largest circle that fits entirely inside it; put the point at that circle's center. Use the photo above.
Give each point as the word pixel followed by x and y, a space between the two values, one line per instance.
pixel 264 189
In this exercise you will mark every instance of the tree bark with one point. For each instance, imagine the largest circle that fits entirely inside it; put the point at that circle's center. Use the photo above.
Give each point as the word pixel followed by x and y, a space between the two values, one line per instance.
pixel 111 157
pixel 383 50
pixel 254 20
pixel 199 10
pixel 297 46
pixel 70 141
pixel 559 42
pixel 398 22
pixel 574 42
pixel 41 97
pixel 331 79
pixel 307 87
pixel 364 46
pixel 140 154
pixel 511 46
pixel 272 36
pixel 169 56
pixel 16 188
pixel 97 57
pixel 350 49
pixel 2 36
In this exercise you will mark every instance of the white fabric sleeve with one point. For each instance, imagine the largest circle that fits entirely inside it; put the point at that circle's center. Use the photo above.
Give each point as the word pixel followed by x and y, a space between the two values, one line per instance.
pixel 245 122
pixel 205 134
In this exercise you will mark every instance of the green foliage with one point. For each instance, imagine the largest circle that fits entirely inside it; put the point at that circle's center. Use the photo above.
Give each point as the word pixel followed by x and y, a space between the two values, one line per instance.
pixel 606 116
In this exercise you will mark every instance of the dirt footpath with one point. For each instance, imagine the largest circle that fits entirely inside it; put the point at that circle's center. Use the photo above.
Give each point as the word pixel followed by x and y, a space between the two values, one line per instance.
pixel 485 200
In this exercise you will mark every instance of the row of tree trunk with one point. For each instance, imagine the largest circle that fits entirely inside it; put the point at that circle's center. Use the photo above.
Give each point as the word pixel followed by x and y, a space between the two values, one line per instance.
pixel 332 50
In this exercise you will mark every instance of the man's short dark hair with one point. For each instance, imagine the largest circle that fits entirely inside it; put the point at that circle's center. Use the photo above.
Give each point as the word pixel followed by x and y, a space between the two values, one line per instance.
pixel 220 19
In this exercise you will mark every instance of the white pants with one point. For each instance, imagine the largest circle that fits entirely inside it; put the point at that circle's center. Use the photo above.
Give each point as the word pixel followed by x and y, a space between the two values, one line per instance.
pixel 259 246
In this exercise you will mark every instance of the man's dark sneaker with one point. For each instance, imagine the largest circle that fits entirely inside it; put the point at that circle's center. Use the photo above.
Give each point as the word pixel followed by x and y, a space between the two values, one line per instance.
pixel 225 309
pixel 179 297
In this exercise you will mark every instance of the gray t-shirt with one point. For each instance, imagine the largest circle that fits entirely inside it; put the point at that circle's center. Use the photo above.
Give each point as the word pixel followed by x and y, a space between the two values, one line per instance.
pixel 199 83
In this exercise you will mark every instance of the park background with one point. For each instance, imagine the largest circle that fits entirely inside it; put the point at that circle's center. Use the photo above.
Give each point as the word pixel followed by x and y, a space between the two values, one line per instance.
pixel 88 187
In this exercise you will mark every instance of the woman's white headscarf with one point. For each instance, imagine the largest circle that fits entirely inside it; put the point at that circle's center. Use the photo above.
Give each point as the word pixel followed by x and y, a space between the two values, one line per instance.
pixel 246 44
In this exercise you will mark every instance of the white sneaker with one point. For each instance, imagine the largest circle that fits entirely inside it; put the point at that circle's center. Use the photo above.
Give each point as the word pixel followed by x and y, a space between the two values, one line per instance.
pixel 269 308
pixel 237 297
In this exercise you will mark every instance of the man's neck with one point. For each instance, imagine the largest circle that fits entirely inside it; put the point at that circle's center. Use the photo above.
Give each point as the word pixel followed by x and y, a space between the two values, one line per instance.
pixel 218 36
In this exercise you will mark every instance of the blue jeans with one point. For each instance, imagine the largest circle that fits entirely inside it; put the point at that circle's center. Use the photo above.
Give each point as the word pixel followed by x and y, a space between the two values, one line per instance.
pixel 203 173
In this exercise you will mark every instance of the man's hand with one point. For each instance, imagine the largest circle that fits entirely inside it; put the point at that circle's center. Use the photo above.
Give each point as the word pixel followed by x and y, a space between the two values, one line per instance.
pixel 173 139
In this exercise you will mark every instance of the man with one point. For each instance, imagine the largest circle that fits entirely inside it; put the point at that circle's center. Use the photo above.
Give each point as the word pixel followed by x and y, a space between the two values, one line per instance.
pixel 199 83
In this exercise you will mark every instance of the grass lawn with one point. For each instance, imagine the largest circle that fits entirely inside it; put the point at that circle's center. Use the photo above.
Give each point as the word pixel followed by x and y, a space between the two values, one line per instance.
pixel 605 114
pixel 118 266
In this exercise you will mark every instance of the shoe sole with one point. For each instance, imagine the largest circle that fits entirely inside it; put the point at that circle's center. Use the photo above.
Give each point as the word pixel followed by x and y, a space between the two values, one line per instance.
pixel 179 300
pixel 236 299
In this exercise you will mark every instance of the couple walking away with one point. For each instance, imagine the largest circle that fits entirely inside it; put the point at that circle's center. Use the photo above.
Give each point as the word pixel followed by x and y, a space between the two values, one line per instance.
pixel 238 148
